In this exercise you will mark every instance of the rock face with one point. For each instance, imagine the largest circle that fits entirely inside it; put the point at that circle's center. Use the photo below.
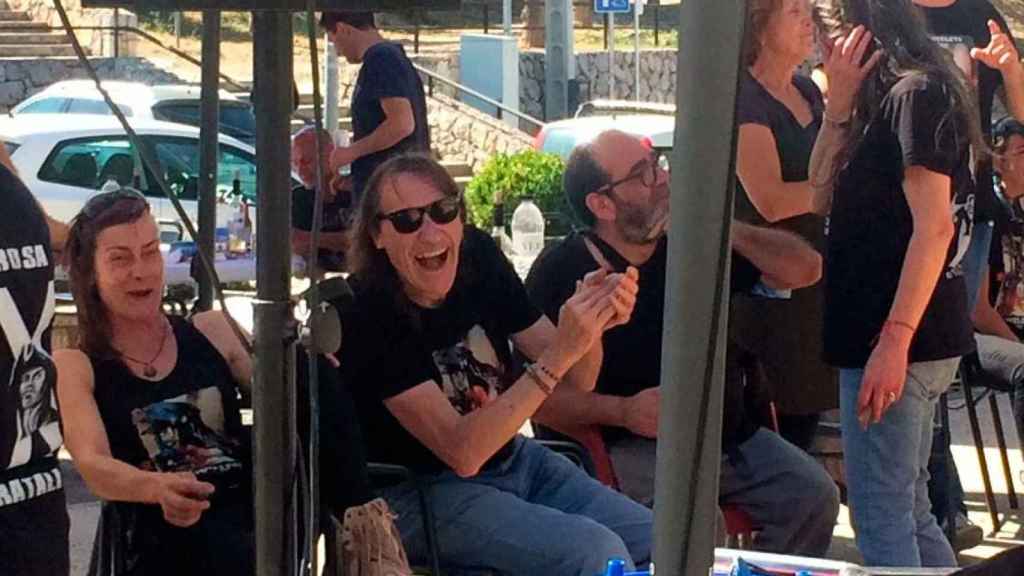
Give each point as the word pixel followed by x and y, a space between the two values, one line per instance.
pixel 657 77
pixel 25 77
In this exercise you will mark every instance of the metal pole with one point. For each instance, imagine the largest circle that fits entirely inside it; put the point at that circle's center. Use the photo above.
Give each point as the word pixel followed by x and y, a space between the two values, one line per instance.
pixel 506 16
pixel 332 97
pixel 636 51
pixel 274 444
pixel 693 345
pixel 177 29
pixel 611 56
pixel 209 120
pixel 117 33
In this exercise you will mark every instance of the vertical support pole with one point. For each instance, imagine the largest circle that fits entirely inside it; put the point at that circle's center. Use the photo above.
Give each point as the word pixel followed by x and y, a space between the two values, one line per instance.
pixel 332 96
pixel 636 52
pixel 657 23
pixel 696 305
pixel 177 29
pixel 558 57
pixel 416 33
pixel 611 56
pixel 487 18
pixel 209 120
pixel 506 16
pixel 117 33
pixel 274 432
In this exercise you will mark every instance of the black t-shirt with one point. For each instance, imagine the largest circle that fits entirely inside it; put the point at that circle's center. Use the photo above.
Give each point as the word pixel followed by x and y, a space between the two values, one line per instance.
pixel 34 521
pixel 386 73
pixel 1006 264
pixel 783 329
pixel 187 422
pixel 871 226
pixel 463 346
pixel 337 216
pixel 632 352
pixel 959 27
pixel 30 433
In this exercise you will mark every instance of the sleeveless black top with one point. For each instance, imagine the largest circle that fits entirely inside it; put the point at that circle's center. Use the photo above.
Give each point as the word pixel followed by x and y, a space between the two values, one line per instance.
pixel 187 422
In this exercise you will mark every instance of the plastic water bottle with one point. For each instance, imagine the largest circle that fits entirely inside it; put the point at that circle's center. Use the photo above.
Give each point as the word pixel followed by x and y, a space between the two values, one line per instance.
pixel 527 235
pixel 343 140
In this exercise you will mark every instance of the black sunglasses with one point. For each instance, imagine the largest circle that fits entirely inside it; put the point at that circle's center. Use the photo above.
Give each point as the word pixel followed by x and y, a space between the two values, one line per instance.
pixel 409 220
pixel 104 200
pixel 647 172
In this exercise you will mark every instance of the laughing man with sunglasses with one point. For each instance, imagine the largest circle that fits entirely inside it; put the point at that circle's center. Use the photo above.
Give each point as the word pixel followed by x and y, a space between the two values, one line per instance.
pixel 429 364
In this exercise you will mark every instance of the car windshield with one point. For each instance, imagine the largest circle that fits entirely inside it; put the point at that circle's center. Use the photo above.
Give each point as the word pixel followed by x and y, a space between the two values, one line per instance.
pixel 236 119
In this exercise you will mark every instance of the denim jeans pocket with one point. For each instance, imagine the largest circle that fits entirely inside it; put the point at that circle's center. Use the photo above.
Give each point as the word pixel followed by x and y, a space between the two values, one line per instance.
pixel 932 378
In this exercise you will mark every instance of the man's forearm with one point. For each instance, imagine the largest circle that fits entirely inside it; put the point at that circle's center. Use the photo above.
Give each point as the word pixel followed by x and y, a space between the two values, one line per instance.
pixel 821 170
pixel 570 411
pixel 988 321
pixel 784 259
pixel 389 133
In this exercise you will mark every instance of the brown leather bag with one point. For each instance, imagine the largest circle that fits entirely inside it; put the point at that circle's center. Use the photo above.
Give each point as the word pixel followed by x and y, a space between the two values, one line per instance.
pixel 370 544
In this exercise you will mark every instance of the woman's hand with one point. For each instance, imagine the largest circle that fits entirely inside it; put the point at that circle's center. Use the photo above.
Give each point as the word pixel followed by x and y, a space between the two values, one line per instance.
pixel 182 497
pixel 845 72
pixel 884 377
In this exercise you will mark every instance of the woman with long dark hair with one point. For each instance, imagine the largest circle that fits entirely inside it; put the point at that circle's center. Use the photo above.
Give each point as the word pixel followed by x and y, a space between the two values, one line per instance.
pixel 150 402
pixel 896 319
pixel 439 391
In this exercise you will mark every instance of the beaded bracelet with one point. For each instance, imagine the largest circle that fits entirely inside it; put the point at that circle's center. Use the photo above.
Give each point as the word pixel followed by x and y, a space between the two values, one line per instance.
pixel 532 372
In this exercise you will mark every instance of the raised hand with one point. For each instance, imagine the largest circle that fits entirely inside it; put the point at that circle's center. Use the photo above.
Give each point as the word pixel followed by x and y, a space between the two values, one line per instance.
pixel 846 69
pixel 1000 54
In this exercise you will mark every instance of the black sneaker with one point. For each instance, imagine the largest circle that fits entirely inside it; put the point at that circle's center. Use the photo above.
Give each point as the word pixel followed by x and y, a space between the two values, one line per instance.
pixel 966 535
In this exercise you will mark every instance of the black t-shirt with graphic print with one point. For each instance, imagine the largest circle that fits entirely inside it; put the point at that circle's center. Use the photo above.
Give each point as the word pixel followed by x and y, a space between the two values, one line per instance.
pixel 33 514
pixel 1006 264
pixel 386 73
pixel 959 27
pixel 871 226
pixel 462 346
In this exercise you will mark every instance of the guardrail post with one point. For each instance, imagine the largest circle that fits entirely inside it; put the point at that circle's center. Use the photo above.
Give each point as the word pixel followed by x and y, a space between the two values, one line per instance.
pixel 117 32
pixel 487 18
pixel 657 23
pixel 416 33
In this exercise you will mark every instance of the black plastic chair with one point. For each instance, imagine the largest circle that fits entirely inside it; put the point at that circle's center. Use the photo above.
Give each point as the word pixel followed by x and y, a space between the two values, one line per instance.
pixel 973 376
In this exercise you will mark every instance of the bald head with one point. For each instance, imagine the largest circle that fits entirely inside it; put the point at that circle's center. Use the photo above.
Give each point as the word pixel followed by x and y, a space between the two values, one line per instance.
pixel 596 164
pixel 304 154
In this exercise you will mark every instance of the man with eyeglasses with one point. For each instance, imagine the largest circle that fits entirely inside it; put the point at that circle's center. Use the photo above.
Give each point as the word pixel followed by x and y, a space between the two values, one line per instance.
pixel 619 191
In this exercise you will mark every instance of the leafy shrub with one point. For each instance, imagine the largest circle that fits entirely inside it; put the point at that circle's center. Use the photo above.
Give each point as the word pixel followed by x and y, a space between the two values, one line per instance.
pixel 526 173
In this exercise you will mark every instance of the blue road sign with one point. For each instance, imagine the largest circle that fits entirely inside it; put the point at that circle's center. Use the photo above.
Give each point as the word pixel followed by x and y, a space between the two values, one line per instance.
pixel 611 6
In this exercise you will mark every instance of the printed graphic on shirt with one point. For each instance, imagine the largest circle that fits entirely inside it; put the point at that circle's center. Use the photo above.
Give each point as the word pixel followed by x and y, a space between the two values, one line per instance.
pixel 472 376
pixel 186 434
pixel 1010 299
pixel 30 427
pixel 963 219
pixel 960 48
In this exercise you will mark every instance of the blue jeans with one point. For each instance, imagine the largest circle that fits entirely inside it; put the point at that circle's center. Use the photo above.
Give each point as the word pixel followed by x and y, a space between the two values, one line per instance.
pixel 535 513
pixel 887 470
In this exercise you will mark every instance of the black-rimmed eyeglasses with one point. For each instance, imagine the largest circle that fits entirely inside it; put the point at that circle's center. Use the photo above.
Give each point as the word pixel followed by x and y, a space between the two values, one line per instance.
pixel 646 171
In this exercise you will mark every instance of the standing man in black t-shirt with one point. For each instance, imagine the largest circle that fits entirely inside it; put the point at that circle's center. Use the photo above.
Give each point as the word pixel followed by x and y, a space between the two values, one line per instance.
pixel 336 198
pixel 33 514
pixel 389 110
pixel 977 36
pixel 999 312
pixel 620 195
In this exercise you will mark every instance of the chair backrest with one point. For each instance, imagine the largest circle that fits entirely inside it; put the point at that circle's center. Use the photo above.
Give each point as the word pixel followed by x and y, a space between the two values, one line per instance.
pixel 119 167
pixel 79 170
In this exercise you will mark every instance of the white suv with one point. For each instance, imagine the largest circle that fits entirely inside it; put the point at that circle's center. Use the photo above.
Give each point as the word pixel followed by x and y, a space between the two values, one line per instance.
pixel 171 102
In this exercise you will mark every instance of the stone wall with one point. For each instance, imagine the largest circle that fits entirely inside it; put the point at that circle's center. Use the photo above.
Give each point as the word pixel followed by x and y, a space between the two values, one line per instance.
pixel 21 78
pixel 657 77
pixel 43 11
pixel 459 132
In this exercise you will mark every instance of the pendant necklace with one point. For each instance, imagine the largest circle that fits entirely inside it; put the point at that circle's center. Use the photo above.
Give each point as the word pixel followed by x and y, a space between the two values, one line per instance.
pixel 148 370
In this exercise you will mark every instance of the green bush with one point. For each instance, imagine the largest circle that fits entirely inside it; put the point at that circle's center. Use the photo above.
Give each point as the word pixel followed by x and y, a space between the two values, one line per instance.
pixel 527 173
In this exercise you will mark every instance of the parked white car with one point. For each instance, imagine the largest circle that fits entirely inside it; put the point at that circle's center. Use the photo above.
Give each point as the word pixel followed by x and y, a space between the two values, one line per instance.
pixel 170 102
pixel 654 122
pixel 65 163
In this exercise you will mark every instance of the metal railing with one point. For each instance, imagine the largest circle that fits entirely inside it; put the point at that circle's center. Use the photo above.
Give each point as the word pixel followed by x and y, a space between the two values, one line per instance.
pixel 500 109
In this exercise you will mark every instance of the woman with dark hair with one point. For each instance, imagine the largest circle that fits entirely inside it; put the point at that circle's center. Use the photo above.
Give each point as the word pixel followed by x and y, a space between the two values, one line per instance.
pixel 896 320
pixel 432 371
pixel 779 114
pixel 150 402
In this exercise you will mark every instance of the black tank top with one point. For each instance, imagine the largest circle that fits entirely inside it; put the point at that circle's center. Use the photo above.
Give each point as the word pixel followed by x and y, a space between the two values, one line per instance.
pixel 187 422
